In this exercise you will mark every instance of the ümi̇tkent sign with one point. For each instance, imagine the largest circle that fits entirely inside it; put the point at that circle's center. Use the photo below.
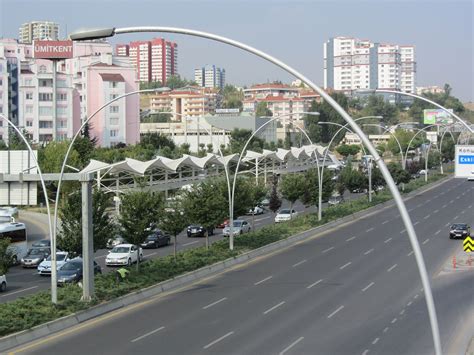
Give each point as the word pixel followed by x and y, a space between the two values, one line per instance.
pixel 52 49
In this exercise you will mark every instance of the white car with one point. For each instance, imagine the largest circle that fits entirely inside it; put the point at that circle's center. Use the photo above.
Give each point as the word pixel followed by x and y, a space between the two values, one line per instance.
pixel 124 254
pixel 285 215
pixel 240 227
pixel 45 267
pixel 255 210
pixel 3 283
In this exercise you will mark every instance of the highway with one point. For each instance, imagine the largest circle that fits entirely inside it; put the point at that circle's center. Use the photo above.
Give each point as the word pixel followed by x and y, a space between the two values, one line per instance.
pixel 353 290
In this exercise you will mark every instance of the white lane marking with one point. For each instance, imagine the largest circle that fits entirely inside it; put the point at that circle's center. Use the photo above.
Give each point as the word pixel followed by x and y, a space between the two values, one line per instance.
pixel 435 211
pixel 274 307
pixel 25 289
pixel 368 286
pixel 462 212
pixel 369 230
pixel 451 201
pixel 299 263
pixel 345 265
pixel 154 253
pixel 447 224
pixel 438 231
pixel 393 320
pixel 291 345
pixel 388 240
pixel 337 310
pixel 147 334
pixel 427 201
pixel 265 279
pixel 403 231
pixel 426 240
pixel 351 238
pixel 386 329
pixel 416 296
pixel 261 219
pixel 444 206
pixel 419 205
pixel 217 340
pixel 366 351
pixel 384 222
pixel 186 244
pixel 369 251
pixel 427 216
pixel 375 341
pixel 457 198
pixel 402 312
pixel 315 283
pixel 325 251
pixel 417 222
pixel 391 268
pixel 214 303
pixel 411 209
pixel 409 304
pixel 410 253
pixel 470 206
pixel 456 217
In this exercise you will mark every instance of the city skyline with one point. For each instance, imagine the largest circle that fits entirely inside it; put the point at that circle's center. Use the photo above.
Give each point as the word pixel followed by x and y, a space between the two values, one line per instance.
pixel 294 34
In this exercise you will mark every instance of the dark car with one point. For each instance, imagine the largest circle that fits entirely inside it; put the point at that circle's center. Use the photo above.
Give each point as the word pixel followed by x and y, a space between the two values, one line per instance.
pixel 459 230
pixel 71 271
pixel 155 240
pixel 34 257
pixel 196 230
pixel 43 243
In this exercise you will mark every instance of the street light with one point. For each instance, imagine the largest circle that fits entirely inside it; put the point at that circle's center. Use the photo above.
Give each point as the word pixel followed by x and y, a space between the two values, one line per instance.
pixel 108 32
pixel 45 192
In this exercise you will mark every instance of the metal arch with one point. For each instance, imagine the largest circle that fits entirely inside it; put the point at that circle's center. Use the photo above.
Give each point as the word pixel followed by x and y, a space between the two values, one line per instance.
pixel 54 296
pixel 382 167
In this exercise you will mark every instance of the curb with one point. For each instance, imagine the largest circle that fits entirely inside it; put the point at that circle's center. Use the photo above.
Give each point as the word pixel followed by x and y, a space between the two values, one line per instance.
pixel 39 331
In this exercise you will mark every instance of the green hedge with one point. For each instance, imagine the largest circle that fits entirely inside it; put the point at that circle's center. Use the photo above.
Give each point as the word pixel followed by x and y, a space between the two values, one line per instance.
pixel 31 310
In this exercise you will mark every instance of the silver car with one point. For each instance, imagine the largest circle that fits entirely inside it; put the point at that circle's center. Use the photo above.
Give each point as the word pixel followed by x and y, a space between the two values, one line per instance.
pixel 240 226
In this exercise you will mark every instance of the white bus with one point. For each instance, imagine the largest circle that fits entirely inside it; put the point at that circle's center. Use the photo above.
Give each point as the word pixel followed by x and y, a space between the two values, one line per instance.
pixel 16 232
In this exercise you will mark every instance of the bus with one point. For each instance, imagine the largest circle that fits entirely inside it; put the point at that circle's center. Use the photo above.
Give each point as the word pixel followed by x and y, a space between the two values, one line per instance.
pixel 16 232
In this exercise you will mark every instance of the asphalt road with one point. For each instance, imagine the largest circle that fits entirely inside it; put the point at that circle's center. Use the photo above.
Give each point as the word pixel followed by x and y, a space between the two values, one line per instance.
pixel 354 290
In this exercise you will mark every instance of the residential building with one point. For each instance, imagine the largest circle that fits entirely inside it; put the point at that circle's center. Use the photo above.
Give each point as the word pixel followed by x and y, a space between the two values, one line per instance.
pixel 376 139
pixel 210 77
pixel 154 60
pixel 434 89
pixel 38 30
pixel 351 64
pixel 188 101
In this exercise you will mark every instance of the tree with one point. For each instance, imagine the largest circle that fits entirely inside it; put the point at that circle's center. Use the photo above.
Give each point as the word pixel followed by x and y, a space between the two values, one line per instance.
pixel 262 110
pixel 348 149
pixel 311 190
pixel 404 138
pixel 6 256
pixel 156 141
pixel 399 175
pixel 238 138
pixel 15 142
pixel 52 155
pixel 377 179
pixel 376 105
pixel 232 97
pixel 3 145
pixel 206 205
pixel 150 85
pixel 173 222
pixel 175 81
pixel 139 214
pixel 293 187
pixel 70 237
pixel 275 200
pixel 353 180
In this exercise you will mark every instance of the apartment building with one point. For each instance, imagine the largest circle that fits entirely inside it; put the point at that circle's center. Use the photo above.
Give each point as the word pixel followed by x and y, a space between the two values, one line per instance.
pixel 434 89
pixel 351 64
pixel 210 77
pixel 154 60
pixel 38 30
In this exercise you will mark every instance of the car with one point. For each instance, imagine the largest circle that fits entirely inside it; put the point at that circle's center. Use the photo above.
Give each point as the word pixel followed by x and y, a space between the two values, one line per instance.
pixel 255 210
pixel 3 283
pixel 112 242
pixel 471 178
pixel 223 224
pixel 197 230
pixel 44 268
pixel 72 271
pixel 124 254
pixel 34 257
pixel 422 172
pixel 285 215
pixel 265 202
pixel 461 230
pixel 335 200
pixel 240 226
pixel 43 243
pixel 155 240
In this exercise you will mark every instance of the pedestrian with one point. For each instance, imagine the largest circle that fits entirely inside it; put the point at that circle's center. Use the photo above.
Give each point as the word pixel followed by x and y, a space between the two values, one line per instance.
pixel 121 274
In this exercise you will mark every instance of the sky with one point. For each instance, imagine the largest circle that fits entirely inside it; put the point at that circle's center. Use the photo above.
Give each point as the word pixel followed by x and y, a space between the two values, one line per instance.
pixel 291 30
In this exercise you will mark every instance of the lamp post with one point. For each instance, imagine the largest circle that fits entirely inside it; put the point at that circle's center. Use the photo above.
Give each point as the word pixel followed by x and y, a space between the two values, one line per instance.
pixel 108 32
pixel 54 297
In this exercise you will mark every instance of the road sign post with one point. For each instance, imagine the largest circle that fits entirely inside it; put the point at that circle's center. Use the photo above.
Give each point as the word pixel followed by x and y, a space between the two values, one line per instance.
pixel 464 161
pixel 87 238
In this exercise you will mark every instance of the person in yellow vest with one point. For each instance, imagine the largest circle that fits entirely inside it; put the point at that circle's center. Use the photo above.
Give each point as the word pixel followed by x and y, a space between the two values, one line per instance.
pixel 121 274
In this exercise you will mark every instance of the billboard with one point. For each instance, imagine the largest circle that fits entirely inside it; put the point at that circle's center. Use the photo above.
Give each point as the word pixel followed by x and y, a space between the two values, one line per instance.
pixel 464 161
pixel 437 116
pixel 52 49
pixel 17 193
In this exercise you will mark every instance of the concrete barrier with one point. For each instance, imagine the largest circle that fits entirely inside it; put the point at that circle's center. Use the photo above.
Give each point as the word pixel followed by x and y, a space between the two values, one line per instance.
pixel 16 339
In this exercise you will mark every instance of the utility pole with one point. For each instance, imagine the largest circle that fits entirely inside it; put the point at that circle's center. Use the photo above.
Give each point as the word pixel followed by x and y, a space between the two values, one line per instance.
pixel 369 162
pixel 87 238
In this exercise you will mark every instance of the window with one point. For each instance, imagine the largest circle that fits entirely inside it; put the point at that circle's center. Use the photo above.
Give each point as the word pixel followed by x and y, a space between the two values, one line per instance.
pixel 42 69
pixel 28 82
pixel 45 124
pixel 114 121
pixel 114 109
pixel 1 109
pixel 62 97
pixel 29 123
pixel 45 83
pixel 62 124
pixel 113 96
pixel 114 132
pixel 113 84
pixel 45 111
pixel 61 110
pixel 29 96
pixel 29 109
pixel 44 96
